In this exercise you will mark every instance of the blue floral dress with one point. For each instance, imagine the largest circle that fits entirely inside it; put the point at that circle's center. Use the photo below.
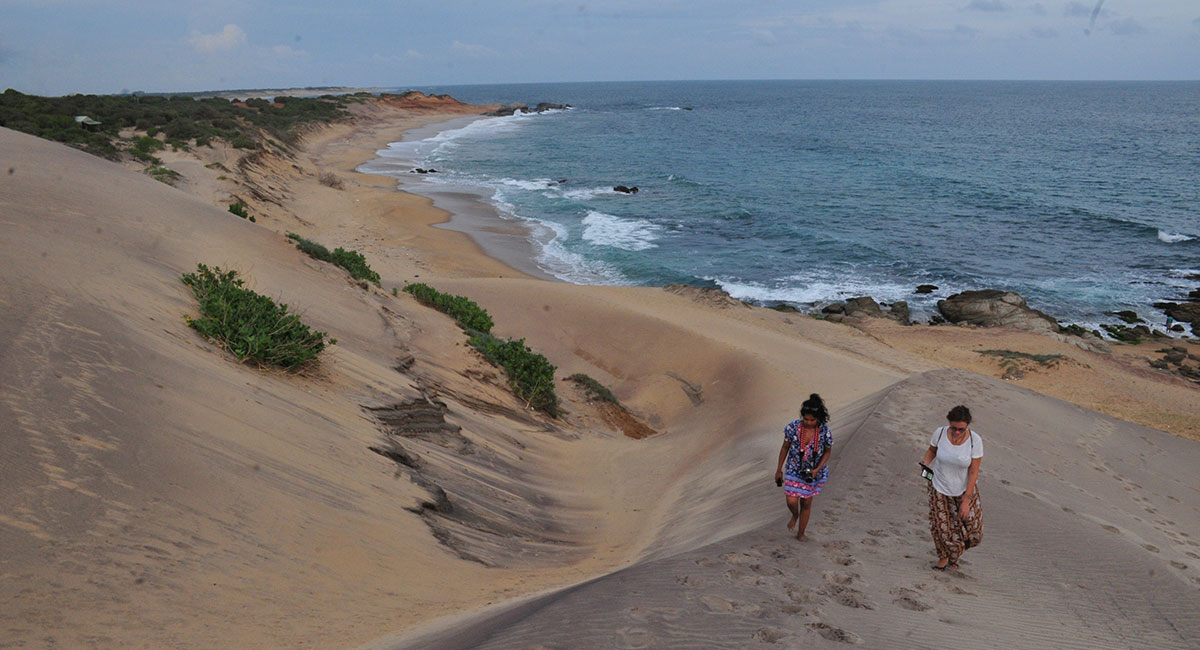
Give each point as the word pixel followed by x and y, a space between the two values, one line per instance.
pixel 804 458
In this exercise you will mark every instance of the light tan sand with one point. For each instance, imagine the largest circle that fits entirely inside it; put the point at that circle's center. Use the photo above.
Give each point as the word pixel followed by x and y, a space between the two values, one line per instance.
pixel 158 494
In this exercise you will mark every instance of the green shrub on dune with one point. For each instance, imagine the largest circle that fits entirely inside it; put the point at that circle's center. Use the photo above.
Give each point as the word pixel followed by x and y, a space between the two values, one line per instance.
pixel 352 261
pixel 469 316
pixel 251 326
pixel 530 375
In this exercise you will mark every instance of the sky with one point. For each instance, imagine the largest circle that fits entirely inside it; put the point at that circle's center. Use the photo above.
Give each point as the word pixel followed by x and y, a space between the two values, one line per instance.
pixel 56 47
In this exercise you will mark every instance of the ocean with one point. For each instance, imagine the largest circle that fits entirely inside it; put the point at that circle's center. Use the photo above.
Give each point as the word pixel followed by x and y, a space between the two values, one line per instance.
pixel 1081 196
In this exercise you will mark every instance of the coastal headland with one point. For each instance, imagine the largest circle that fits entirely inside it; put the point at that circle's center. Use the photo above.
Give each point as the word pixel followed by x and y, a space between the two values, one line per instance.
pixel 157 493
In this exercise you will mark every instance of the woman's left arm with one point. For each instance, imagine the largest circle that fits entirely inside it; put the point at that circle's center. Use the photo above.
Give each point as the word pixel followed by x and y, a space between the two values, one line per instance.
pixel 825 456
pixel 972 476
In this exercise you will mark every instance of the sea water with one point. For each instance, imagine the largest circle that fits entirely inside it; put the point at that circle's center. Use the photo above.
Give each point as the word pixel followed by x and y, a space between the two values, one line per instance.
pixel 1081 196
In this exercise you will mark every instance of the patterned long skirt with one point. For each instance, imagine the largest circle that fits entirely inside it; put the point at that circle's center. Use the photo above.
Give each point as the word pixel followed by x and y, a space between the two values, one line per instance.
pixel 952 535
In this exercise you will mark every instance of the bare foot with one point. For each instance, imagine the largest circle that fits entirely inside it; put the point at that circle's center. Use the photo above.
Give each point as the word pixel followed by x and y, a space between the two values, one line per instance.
pixel 792 523
pixel 941 565
pixel 801 537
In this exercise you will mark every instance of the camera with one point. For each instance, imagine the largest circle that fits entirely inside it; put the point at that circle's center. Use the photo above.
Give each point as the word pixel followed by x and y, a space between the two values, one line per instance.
pixel 926 473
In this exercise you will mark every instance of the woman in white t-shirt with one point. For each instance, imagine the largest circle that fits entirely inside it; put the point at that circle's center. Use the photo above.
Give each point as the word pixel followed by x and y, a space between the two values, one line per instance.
pixel 955 516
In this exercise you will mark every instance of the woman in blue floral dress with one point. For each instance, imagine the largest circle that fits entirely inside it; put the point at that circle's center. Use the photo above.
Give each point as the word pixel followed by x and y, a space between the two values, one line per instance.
pixel 804 461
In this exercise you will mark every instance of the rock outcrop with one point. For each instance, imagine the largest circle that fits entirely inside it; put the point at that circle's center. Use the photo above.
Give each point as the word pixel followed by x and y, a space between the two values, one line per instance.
pixel 866 307
pixel 995 308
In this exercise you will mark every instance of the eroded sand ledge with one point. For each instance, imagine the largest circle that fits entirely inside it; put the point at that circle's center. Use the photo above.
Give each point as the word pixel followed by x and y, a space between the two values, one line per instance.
pixel 158 494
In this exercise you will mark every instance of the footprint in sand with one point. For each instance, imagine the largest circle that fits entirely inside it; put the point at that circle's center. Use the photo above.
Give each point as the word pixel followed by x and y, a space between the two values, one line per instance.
pixel 831 633
pixel 1178 565
pixel 907 599
pixel 770 634
pixel 716 604
pixel 847 596
pixel 639 638
pixel 1150 547
pixel 1111 529
pixel 958 590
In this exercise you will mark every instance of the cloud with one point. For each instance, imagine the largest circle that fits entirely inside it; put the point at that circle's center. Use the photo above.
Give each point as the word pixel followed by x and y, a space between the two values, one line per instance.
pixel 392 59
pixel 474 51
pixel 230 37
pixel 1127 27
pixel 764 37
pixel 1044 32
pixel 286 52
pixel 987 5
pixel 1038 8
pixel 963 30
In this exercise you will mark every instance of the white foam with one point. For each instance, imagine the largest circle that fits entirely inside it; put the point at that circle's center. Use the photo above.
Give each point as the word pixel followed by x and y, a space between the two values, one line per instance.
pixel 1173 237
pixel 665 108
pixel 815 291
pixel 627 234
pixel 584 194
pixel 533 185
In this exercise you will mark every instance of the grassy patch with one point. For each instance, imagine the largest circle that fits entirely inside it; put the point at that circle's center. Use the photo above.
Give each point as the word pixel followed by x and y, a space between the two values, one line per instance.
pixel 239 209
pixel 530 375
pixel 1043 359
pixel 352 261
pixel 251 326
pixel 164 174
pixel 594 389
pixel 469 315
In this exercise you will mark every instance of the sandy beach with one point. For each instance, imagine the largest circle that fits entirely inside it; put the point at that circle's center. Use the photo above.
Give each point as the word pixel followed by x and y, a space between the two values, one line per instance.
pixel 158 494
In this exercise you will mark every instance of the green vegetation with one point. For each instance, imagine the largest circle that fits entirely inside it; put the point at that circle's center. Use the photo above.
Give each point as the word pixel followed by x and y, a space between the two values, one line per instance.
pixel 180 119
pixel 163 174
pixel 1011 355
pixel 249 325
pixel 530 375
pixel 594 389
pixel 239 209
pixel 469 316
pixel 352 261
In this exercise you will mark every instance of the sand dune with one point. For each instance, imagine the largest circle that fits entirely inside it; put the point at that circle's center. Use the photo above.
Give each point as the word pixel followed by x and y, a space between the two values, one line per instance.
pixel 1090 541
pixel 158 494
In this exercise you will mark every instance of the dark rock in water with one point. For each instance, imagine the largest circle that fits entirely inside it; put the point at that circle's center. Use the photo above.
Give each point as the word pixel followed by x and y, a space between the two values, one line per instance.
pixel 1177 328
pixel 561 181
pixel 1128 316
pixel 1072 329
pixel 835 308
pixel 547 106
pixel 625 190
pixel 1165 305
pixel 995 308
pixel 926 288
pixel 1188 312
pixel 863 307
pixel 509 109
pixel 418 170
pixel 1194 294
pixel 1127 334
pixel 900 313
pixel 687 108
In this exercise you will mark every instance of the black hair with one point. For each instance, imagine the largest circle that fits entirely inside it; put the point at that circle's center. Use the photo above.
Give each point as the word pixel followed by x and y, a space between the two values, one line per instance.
pixel 959 413
pixel 815 407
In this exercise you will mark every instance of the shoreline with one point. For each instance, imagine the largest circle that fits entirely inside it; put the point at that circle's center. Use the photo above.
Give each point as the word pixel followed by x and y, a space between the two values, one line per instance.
pixel 507 240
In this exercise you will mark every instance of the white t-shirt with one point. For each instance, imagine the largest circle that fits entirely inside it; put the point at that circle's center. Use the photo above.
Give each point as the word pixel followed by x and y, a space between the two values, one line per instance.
pixel 952 461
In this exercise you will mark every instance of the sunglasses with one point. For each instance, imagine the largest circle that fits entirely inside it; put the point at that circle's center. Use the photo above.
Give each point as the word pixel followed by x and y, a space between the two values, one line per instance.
pixel 958 429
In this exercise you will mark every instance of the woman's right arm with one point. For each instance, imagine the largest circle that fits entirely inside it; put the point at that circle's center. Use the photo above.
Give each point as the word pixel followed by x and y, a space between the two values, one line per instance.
pixel 929 454
pixel 783 451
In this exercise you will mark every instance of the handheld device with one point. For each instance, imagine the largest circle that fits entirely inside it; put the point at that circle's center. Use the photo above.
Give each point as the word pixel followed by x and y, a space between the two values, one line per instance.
pixel 926 473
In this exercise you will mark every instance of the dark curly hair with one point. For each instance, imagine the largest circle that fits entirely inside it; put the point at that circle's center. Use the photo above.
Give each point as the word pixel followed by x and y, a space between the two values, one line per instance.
pixel 815 407
pixel 959 413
